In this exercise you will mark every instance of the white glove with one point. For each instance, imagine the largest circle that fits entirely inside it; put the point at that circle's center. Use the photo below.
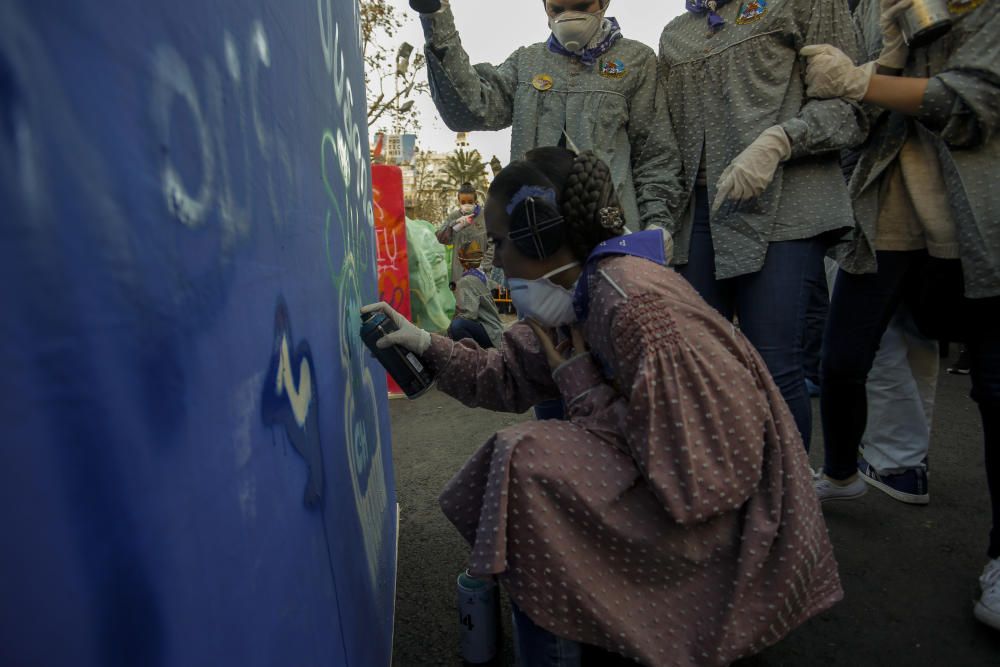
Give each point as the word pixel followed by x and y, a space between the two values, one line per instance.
pixel 831 73
pixel 668 241
pixel 894 48
pixel 749 174
pixel 409 336
pixel 462 223
pixel 668 246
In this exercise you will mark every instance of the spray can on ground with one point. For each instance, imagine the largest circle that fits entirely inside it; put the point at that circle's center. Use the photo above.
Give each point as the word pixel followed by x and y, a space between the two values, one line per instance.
pixel 404 366
pixel 479 620
pixel 925 21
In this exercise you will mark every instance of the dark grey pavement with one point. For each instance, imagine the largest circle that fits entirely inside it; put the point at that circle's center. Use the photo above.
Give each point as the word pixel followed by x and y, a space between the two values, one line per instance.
pixel 910 573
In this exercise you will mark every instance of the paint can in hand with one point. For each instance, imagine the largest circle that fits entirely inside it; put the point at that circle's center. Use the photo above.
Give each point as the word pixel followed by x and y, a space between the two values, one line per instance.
pixel 404 366
pixel 925 21
pixel 479 620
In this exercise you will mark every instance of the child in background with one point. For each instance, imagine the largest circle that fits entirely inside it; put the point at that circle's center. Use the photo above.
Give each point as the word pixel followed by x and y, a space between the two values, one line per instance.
pixel 465 224
pixel 476 314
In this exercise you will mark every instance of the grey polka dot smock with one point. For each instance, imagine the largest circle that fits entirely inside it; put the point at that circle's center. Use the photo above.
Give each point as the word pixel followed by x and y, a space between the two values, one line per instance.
pixel 960 116
pixel 611 107
pixel 474 232
pixel 725 88
pixel 672 518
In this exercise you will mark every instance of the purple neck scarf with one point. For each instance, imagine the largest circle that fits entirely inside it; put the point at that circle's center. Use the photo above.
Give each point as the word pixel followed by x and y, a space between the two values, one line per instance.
pixel 590 56
pixel 647 245
pixel 711 6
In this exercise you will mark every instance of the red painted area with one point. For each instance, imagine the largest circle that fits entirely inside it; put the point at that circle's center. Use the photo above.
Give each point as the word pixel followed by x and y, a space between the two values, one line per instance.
pixel 390 243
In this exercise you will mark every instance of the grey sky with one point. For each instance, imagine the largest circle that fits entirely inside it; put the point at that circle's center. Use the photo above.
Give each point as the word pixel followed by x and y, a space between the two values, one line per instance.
pixel 491 31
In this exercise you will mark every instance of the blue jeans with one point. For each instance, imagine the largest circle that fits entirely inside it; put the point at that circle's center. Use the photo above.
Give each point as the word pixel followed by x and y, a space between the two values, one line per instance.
pixel 860 310
pixel 536 647
pixel 462 328
pixel 818 307
pixel 771 304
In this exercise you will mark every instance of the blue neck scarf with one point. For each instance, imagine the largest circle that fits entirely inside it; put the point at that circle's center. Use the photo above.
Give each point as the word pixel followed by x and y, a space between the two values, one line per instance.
pixel 477 273
pixel 613 33
pixel 647 245
pixel 710 6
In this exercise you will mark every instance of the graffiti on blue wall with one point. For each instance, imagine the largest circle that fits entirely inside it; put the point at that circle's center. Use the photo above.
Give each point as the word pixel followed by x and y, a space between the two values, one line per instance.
pixel 201 451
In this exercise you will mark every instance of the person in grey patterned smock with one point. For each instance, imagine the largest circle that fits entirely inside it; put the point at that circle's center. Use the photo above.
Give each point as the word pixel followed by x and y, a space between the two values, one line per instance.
pixel 928 206
pixel 464 225
pixel 476 314
pixel 601 95
pixel 768 159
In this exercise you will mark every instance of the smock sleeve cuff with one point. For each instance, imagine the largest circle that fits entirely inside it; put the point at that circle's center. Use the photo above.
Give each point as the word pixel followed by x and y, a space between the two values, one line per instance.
pixel 439 27
pixel 797 131
pixel 577 377
pixel 438 355
pixel 937 105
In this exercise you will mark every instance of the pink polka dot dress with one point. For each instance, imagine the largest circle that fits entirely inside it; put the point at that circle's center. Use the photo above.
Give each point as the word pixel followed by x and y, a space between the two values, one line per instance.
pixel 672 517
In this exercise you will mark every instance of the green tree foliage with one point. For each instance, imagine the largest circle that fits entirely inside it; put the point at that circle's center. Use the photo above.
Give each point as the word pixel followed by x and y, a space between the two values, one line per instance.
pixel 463 167
pixel 391 82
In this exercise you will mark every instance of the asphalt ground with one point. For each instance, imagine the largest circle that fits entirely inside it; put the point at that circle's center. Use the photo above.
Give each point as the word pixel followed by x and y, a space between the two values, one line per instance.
pixel 909 573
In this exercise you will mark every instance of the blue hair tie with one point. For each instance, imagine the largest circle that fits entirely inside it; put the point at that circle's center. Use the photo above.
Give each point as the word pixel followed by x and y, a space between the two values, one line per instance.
pixel 548 194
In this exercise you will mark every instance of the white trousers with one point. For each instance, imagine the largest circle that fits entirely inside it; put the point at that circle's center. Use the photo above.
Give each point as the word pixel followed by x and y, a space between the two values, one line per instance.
pixel 901 391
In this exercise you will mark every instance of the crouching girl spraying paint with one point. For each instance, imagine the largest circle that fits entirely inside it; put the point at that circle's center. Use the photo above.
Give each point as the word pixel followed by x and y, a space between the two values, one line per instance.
pixel 672 517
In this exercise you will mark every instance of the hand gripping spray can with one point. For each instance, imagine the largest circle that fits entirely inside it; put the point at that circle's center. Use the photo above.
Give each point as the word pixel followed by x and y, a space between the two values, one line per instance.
pixel 404 366
pixel 925 21
pixel 479 620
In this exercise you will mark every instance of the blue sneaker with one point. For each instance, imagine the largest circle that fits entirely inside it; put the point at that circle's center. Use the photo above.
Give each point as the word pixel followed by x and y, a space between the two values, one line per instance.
pixel 909 486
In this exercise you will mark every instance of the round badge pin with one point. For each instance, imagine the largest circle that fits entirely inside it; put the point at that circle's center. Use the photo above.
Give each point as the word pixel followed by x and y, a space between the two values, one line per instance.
pixel 542 82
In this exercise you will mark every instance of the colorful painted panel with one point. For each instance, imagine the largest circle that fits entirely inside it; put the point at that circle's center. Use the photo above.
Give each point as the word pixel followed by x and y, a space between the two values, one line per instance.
pixel 195 462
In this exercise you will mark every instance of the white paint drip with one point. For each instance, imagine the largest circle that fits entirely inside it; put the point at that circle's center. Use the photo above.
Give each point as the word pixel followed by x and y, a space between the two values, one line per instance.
pixel 232 56
pixel 245 408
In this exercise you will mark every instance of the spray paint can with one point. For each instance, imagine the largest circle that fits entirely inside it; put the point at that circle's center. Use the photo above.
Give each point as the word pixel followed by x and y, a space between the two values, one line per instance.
pixel 925 21
pixel 404 366
pixel 479 620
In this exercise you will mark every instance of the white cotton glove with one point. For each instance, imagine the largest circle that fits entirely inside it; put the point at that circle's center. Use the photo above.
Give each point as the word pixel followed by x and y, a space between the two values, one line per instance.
pixel 462 223
pixel 409 336
pixel 668 246
pixel 749 174
pixel 668 241
pixel 831 73
pixel 894 48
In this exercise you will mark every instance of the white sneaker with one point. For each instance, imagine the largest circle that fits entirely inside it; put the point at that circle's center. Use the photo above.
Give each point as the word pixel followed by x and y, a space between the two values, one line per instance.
pixel 988 608
pixel 827 490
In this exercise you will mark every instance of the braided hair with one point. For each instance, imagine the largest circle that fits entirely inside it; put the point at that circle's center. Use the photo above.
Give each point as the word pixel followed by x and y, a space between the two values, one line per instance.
pixel 590 205
pixel 554 184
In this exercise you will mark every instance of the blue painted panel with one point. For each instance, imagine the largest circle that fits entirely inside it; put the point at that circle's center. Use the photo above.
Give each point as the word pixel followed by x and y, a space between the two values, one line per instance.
pixel 195 463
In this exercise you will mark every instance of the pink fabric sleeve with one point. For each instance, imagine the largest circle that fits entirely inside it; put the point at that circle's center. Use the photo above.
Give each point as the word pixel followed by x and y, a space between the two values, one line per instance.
pixel 583 387
pixel 510 379
pixel 592 403
pixel 695 414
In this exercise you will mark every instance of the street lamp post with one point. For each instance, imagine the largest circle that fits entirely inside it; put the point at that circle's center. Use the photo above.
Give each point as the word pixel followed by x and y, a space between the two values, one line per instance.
pixel 403 56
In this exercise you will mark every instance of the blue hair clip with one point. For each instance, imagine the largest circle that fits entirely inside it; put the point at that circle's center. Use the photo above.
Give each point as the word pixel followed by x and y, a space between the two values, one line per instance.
pixel 548 194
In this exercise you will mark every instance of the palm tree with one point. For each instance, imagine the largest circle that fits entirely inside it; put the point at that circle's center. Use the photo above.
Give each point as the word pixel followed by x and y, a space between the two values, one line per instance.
pixel 463 167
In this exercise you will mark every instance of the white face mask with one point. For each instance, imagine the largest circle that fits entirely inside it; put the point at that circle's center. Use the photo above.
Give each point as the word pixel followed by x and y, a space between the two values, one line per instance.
pixel 574 30
pixel 542 300
pixel 467 209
